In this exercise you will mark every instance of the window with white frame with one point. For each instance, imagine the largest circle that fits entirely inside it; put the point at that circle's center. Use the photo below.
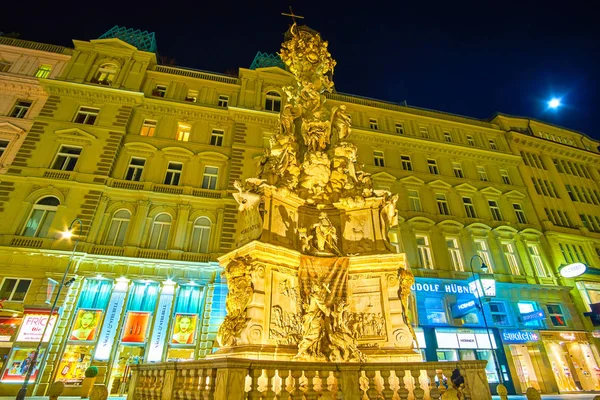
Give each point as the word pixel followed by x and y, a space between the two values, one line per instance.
pixel 406 163
pixel 14 289
pixel 192 96
pixel 3 146
pixel 424 251
pixel 148 127
pixel 200 235
pixel 469 207
pixel 519 213
pixel 526 307
pixel 378 158
pixel 66 158
pixel 399 128
pixel 5 65
pixel 86 115
pixel 118 228
pixel 448 137
pixel 20 108
pixel 495 210
pixel 135 169
pixel 106 74
pixel 505 177
pixel 536 260
pixel 159 235
pixel 454 251
pixel 481 173
pixel 493 144
pixel 414 201
pixel 483 251
pixel 173 174
pixel 209 179
pixel 223 101
pixel 273 101
pixel 183 132
pixel 424 132
pixel 510 253
pixel 432 166
pixel 159 91
pixel 499 313
pixel 43 71
pixel 442 203
pixel 41 217
pixel 373 124
pixel 216 137
pixel 470 140
pixel 458 171
pixel 556 314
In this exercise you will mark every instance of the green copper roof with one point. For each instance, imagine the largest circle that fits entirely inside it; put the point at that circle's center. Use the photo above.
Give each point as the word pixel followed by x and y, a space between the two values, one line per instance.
pixel 262 60
pixel 143 40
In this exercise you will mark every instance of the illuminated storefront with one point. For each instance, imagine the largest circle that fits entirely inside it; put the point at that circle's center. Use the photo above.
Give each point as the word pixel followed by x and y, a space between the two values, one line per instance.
pixel 526 359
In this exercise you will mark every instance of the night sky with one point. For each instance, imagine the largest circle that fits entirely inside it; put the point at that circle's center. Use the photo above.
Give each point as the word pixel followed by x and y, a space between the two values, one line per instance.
pixel 468 58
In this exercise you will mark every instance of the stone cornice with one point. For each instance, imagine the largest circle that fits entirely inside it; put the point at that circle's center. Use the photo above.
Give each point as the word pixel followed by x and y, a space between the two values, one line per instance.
pixel 23 85
pixel 91 93
pixel 552 148
pixel 183 111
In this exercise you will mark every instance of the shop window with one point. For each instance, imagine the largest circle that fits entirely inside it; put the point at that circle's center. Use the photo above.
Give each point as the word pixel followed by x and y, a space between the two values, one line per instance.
pixel 483 250
pixel 3 146
pixel 160 232
pixel 186 327
pixel 499 313
pixel 432 166
pixel 223 101
pixel 273 101
pixel 148 127
pixel 399 128
pixel 135 169
pixel 183 132
pixel 20 108
pixel 556 314
pixel 442 204
pixel 216 137
pixel 482 174
pixel 373 124
pixel 66 158
pixel 526 307
pixel 454 252
pixel 469 207
pixel 536 260
pixel 118 228
pixel 173 174
pixel 406 163
pixel 378 158
pixel 41 217
pixel 86 115
pixel 201 235
pixel 458 171
pixel 436 310
pixel 95 294
pixel 106 74
pixel 424 251
pixel 143 295
pixel 520 214
pixel 414 201
pixel 210 177
pixel 14 289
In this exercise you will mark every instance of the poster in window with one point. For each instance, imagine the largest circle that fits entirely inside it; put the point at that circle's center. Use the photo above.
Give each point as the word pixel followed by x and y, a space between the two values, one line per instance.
pixel 136 327
pixel 18 363
pixel 184 329
pixel 73 363
pixel 86 325
pixel 8 328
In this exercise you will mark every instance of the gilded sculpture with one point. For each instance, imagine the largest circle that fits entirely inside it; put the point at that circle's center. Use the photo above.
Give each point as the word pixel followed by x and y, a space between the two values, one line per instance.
pixel 406 280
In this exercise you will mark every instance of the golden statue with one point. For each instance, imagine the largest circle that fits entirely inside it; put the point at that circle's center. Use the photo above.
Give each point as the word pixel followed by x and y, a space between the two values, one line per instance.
pixel 407 279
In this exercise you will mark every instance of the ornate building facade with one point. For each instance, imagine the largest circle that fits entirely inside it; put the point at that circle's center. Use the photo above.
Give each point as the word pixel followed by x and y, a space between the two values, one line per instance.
pixel 146 157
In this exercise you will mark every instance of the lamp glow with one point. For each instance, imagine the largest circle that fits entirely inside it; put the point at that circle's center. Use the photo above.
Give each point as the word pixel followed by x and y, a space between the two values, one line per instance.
pixel 67 234
pixel 554 103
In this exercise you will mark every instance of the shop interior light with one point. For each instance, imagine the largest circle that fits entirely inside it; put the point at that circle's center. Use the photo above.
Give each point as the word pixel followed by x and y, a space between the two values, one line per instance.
pixel 169 281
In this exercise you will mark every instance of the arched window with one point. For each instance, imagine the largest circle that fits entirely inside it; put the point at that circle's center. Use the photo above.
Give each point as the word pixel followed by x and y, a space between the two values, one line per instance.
pixel 200 235
pixel 118 228
pixel 106 74
pixel 41 217
pixel 160 231
pixel 273 102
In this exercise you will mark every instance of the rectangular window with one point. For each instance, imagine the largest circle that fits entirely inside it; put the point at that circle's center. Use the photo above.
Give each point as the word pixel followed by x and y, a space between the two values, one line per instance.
pixel 223 101
pixel 511 258
pixel 536 186
pixel 135 169
pixel 43 71
pixel 378 159
pixel 66 158
pixel 159 91
pixel 192 96
pixel 216 137
pixel 436 310
pixel 399 128
pixel 414 201
pixel 495 210
pixel 424 132
pixel 183 132
pixel 469 207
pixel 483 250
pixel 432 165
pixel 458 171
pixel 519 213
pixel 148 127
pixel 5 66
pixel 505 177
pixel 556 314
pixel 571 193
pixel 86 115
pixel 448 137
pixel 209 180
pixel 493 145
pixel 585 222
pixel 173 174
pixel 424 250
pixel 373 123
pixel 499 313
pixel 442 204
pixel 3 146
pixel 14 289
pixel 406 163
pixel 20 109
pixel 454 252
pixel 482 174
pixel 536 260
pixel 526 307
pixel 558 165
pixel 470 141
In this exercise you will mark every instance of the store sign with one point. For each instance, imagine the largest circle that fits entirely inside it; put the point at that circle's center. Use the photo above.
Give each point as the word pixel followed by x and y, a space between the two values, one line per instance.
pixel 109 329
pixel 573 270
pixel 533 316
pixel 596 334
pixel 442 287
pixel 33 327
pixel 464 339
pixel 568 336
pixel 136 326
pixel 8 329
pixel 157 339
pixel 519 337
pixel 462 309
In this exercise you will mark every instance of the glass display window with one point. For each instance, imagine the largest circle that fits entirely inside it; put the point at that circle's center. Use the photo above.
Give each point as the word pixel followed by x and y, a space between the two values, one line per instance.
pixel 18 364
pixel 121 369
pixel 447 355
pixel 72 365
pixel 491 370
pixel 525 367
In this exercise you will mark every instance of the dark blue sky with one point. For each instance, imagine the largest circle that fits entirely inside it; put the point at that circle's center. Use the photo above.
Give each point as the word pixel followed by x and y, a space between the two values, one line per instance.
pixel 470 58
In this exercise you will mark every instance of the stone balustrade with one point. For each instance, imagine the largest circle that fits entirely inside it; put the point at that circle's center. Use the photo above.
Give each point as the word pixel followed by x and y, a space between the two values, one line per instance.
pixel 240 379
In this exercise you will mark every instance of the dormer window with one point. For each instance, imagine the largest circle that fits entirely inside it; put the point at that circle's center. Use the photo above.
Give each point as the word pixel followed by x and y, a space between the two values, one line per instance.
pixel 106 74
pixel 273 102
pixel 192 96
pixel 43 71
pixel 159 91
pixel 5 65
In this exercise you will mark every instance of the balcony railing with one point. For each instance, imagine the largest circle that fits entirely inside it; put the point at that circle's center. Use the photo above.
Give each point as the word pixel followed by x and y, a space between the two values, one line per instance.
pixel 156 254
pixel 35 46
pixel 196 74
pixel 55 174
pixel 108 250
pixel 238 379
pixel 168 189
pixel 22 241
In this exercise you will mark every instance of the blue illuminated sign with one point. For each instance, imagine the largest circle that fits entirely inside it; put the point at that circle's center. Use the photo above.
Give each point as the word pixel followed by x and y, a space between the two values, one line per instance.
pixel 533 316
pixel 515 337
pixel 462 309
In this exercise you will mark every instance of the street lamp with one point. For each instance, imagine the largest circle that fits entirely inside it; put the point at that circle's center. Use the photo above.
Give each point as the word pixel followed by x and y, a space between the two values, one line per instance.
pixel 68 234
pixel 485 287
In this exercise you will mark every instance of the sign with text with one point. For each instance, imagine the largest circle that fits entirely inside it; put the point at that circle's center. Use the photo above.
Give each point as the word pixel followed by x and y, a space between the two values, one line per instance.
pixel 441 287
pixel 519 337
pixel 533 316
pixel 157 339
pixel 109 329
pixel 136 327
pixel 462 309
pixel 573 270
pixel 33 327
